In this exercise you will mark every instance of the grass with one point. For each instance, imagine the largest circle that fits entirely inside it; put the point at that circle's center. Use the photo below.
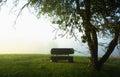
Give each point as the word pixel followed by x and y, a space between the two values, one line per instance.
pixel 36 65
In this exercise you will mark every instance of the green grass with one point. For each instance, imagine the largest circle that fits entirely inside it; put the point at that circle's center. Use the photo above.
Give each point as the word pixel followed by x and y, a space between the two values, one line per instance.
pixel 36 65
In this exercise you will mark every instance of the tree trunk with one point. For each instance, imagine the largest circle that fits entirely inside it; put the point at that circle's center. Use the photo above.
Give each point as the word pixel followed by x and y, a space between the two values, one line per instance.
pixel 92 40
pixel 110 49
pixel 93 47
pixel 91 35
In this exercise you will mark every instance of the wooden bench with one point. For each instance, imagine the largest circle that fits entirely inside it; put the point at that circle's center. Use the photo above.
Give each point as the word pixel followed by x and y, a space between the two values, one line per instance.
pixel 62 54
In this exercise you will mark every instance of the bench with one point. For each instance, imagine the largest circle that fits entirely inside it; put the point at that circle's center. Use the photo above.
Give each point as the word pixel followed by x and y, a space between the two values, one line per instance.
pixel 62 54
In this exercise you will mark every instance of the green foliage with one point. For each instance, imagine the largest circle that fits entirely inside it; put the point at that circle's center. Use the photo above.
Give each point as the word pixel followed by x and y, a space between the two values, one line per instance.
pixel 84 39
pixel 63 12
pixel 40 66
pixel 69 14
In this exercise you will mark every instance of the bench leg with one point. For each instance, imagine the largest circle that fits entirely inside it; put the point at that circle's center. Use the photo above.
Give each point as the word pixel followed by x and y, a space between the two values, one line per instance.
pixel 70 60
pixel 53 60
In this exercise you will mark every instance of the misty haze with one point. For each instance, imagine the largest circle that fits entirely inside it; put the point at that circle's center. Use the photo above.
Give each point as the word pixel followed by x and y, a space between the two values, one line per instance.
pixel 34 36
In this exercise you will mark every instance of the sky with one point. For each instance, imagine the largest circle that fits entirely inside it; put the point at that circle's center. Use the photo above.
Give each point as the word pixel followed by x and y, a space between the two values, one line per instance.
pixel 31 35
pixel 27 35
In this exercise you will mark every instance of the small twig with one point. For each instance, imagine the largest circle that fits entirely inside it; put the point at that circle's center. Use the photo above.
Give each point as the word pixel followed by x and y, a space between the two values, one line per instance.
pixel 21 11
pixel 80 52
pixel 2 2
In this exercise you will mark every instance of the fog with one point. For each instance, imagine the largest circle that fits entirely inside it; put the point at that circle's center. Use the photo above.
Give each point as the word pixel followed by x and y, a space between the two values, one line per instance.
pixel 34 36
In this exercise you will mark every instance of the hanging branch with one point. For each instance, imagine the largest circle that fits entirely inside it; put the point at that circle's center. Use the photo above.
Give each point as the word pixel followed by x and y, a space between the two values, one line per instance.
pixel 2 2
pixel 25 5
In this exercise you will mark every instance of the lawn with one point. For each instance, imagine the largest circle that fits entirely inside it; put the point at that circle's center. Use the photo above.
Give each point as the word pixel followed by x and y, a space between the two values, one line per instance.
pixel 37 65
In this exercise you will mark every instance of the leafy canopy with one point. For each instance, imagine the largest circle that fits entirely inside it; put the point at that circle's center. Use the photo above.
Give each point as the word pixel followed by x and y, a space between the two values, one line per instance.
pixel 105 14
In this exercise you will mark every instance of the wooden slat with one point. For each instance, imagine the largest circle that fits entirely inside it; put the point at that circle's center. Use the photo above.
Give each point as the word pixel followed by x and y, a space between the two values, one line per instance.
pixel 62 51
pixel 56 58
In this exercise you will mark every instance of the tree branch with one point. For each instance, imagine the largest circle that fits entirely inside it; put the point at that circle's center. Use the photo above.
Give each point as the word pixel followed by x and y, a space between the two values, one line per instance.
pixel 111 46
pixel 21 9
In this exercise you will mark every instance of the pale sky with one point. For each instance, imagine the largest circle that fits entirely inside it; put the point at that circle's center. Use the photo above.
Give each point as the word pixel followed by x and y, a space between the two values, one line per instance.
pixel 31 35
pixel 28 35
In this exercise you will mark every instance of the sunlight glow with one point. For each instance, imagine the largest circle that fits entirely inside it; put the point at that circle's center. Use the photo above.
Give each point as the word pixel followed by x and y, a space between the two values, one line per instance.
pixel 31 35
pixel 28 34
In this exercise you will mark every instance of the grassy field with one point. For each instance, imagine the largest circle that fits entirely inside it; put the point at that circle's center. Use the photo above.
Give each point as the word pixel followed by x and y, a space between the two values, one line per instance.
pixel 36 65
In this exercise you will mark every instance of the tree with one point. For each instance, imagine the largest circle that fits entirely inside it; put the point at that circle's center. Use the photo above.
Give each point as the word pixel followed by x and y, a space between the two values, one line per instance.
pixel 98 16
pixel 91 17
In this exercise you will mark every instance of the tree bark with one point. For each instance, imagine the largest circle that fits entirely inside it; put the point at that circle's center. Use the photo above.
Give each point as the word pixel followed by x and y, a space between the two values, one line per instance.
pixel 111 47
pixel 91 36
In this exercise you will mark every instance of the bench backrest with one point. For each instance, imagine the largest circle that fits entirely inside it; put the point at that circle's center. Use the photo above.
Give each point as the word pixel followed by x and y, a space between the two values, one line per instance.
pixel 60 51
